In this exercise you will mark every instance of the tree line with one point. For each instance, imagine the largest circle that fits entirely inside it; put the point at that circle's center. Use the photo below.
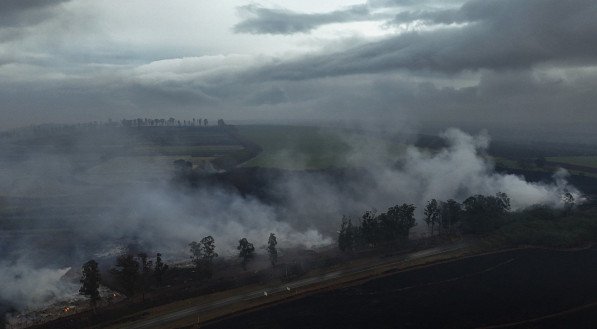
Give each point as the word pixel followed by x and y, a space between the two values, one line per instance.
pixel 478 214
pixel 137 274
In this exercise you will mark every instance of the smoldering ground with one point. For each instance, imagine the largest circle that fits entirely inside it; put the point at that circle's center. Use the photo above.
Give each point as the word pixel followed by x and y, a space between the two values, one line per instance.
pixel 63 208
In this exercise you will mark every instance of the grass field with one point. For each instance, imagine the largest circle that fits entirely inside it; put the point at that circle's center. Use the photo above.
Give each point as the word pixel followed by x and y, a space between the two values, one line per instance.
pixel 586 161
pixel 301 147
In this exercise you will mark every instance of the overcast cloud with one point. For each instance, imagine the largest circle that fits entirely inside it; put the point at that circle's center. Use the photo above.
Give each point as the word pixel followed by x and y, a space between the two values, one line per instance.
pixel 477 62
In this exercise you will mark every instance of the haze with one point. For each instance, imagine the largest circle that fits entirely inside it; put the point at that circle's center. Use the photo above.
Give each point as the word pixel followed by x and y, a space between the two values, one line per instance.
pixel 476 64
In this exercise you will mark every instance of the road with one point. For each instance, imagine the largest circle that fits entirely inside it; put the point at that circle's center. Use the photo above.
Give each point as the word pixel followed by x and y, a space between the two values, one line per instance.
pixel 163 319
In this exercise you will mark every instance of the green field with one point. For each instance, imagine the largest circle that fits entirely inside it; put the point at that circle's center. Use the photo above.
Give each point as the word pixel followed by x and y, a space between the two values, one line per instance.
pixel 302 147
pixel 586 161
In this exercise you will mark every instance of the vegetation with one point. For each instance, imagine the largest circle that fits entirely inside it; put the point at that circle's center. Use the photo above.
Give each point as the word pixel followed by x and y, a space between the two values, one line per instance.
pixel 145 275
pixel 271 249
pixel 481 215
pixel 585 161
pixel 389 227
pixel 160 269
pixel 202 254
pixel 246 251
pixel 126 272
pixel 90 281
pixel 302 147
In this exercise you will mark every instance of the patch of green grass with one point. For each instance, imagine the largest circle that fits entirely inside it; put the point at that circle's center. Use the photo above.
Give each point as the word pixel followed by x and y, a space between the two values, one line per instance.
pixel 586 161
pixel 559 231
pixel 303 147
pixel 296 147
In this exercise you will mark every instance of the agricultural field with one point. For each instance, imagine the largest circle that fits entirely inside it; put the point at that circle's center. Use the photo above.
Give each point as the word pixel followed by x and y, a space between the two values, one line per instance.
pixel 584 161
pixel 309 148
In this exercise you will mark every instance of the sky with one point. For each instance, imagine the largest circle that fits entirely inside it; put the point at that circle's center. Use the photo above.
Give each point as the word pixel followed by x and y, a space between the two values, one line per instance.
pixel 523 63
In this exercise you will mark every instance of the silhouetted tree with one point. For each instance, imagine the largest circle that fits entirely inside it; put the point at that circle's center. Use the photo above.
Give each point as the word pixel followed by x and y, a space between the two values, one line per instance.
pixel 347 236
pixel 127 273
pixel 159 270
pixel 208 247
pixel 90 281
pixel 271 249
pixel 246 251
pixel 202 254
pixel 145 275
pixel 370 228
pixel 432 214
pixel 205 122
pixel 450 215
pixel 398 222
pixel 484 213
pixel 196 253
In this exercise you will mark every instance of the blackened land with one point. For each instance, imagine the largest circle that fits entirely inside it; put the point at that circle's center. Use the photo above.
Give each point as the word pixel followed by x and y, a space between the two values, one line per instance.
pixel 473 292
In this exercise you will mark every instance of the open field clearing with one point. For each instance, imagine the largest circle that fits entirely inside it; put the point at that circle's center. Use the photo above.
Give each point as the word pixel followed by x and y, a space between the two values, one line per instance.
pixel 301 147
pixel 585 161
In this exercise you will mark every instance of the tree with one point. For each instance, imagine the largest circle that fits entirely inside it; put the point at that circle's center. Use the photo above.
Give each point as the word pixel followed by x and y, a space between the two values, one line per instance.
pixel 246 251
pixel 432 214
pixel 347 235
pixel 196 253
pixel 145 275
pixel 370 229
pixel 202 254
pixel 127 273
pixel 159 270
pixel 400 219
pixel 208 248
pixel 271 249
pixel 90 281
pixel 484 213
pixel 450 215
pixel 205 122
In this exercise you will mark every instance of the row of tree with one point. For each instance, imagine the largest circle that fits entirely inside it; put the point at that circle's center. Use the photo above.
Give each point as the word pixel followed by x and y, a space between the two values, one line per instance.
pixel 478 214
pixel 137 273
pixel 375 229
pixel 148 122
pixel 203 253
pixel 134 274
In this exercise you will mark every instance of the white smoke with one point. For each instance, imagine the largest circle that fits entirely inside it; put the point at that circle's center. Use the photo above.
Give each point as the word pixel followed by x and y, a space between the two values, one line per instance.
pixel 136 203
pixel 30 287
pixel 460 170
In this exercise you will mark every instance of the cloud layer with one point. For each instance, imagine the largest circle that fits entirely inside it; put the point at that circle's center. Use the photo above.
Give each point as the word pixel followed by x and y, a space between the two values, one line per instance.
pixel 476 62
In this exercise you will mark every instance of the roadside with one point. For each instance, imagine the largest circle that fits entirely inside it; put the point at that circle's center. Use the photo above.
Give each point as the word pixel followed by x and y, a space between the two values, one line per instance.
pixel 206 308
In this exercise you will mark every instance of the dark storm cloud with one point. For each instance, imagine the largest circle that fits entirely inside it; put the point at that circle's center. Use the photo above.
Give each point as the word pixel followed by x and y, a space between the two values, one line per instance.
pixel 499 34
pixel 24 12
pixel 280 21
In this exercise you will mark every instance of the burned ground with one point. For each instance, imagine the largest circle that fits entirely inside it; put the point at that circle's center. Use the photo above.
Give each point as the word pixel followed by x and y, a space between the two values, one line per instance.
pixel 468 293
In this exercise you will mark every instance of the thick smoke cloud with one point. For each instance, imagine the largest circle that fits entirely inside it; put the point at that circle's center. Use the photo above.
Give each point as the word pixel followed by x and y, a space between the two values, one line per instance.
pixel 456 172
pixel 127 201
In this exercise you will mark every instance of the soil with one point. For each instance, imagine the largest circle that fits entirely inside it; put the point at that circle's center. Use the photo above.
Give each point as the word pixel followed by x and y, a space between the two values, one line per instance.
pixel 556 288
